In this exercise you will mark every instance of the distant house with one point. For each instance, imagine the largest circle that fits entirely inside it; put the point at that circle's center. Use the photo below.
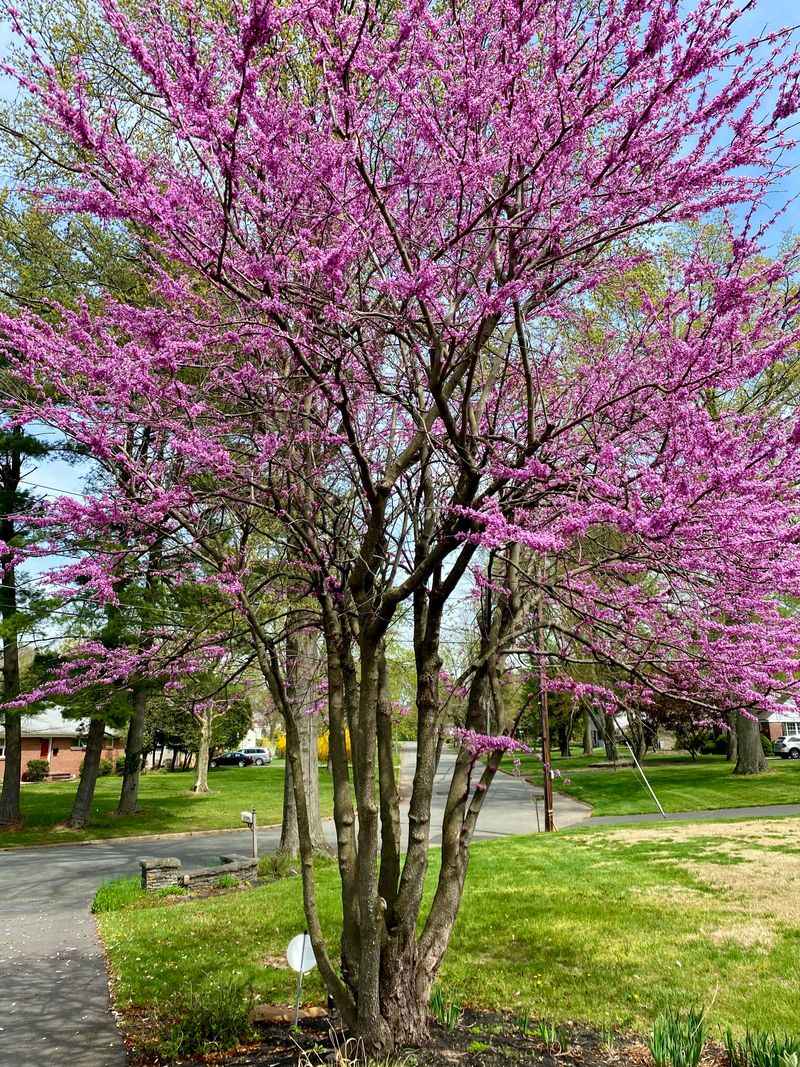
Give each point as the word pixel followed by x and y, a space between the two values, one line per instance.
pixel 780 723
pixel 61 741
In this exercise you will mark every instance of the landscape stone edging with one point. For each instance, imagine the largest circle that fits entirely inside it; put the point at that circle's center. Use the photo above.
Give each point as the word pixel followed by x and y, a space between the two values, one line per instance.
pixel 162 872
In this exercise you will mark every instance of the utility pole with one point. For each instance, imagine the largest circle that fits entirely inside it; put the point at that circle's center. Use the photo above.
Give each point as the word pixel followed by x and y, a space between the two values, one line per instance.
pixel 549 821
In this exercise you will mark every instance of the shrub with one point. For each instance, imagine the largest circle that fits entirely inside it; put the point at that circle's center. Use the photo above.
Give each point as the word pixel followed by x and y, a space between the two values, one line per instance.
pixel 322 746
pixel 716 746
pixel 119 765
pixel 211 1019
pixel 761 1049
pixel 767 746
pixel 38 770
pixel 677 1040
pixel 106 768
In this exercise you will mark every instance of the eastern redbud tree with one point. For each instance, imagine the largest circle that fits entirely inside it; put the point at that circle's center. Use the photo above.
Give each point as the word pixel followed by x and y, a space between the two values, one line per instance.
pixel 369 376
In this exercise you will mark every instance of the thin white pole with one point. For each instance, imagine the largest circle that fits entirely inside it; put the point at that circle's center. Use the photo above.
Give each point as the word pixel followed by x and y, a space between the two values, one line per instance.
pixel 300 981
pixel 644 776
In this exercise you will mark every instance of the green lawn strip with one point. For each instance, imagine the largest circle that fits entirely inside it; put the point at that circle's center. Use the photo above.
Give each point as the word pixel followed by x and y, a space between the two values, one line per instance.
pixel 584 926
pixel 680 783
pixel 166 801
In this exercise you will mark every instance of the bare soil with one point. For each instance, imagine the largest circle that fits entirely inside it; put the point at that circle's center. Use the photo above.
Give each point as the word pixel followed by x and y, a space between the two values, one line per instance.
pixel 481 1039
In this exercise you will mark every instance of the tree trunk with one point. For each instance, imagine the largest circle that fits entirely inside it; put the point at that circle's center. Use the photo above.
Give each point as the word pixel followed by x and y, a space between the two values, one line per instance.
pixel 732 751
pixel 750 755
pixel 129 794
pixel 564 740
pixel 605 727
pixel 201 776
pixel 9 797
pixel 587 734
pixel 82 807
pixel 637 737
pixel 301 668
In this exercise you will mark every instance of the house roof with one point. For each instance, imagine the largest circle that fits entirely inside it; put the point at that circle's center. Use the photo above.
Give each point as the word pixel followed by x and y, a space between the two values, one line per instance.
pixel 51 723
pixel 792 713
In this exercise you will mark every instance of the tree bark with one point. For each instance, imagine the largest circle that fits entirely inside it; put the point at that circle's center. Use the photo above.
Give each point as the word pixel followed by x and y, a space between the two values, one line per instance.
pixel 82 807
pixel 203 749
pixel 134 744
pixel 750 755
pixel 301 668
pixel 9 797
pixel 587 734
pixel 732 751
pixel 10 794
pixel 564 740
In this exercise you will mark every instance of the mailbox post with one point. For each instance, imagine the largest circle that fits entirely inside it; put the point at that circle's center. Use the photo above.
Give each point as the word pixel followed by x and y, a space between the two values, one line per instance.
pixel 249 819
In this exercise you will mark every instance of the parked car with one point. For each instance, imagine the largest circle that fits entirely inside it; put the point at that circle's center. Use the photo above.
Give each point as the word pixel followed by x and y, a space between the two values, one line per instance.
pixel 788 747
pixel 232 759
pixel 260 755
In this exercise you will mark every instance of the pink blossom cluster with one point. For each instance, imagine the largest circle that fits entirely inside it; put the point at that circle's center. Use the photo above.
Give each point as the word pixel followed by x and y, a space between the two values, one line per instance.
pixel 482 744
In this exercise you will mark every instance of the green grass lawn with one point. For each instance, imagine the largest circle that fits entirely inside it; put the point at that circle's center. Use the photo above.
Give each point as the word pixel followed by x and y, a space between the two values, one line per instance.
pixel 680 783
pixel 605 927
pixel 166 801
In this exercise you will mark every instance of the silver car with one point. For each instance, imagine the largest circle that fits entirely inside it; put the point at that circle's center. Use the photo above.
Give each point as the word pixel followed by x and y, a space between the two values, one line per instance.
pixel 259 756
pixel 788 747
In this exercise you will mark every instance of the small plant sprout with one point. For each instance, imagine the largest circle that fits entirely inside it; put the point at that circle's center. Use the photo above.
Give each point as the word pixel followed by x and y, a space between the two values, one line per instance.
pixel 677 1039
pixel 446 1012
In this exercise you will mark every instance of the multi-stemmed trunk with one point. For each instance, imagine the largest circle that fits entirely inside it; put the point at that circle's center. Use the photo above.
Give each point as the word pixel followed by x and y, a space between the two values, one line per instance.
pixel 134 754
pixel 82 805
pixel 388 966
pixel 750 752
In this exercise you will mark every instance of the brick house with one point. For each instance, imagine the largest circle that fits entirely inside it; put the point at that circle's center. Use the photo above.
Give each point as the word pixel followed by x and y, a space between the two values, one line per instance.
pixel 780 723
pixel 50 736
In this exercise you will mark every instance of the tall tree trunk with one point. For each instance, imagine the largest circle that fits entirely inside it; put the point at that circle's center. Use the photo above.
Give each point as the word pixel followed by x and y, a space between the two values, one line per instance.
pixel 302 661
pixel 605 727
pixel 82 807
pixel 10 794
pixel 9 797
pixel 201 777
pixel 564 740
pixel 290 836
pixel 637 736
pixel 750 755
pixel 732 750
pixel 587 734
pixel 129 794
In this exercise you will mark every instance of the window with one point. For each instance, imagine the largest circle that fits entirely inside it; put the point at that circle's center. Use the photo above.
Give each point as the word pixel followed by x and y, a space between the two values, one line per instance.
pixel 789 728
pixel 2 750
pixel 79 742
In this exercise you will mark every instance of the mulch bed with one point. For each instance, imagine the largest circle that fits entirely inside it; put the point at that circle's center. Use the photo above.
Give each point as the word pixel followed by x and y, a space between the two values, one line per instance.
pixel 481 1039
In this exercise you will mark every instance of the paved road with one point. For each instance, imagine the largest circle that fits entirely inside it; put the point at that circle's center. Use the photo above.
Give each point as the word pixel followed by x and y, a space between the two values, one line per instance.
pixel 52 971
